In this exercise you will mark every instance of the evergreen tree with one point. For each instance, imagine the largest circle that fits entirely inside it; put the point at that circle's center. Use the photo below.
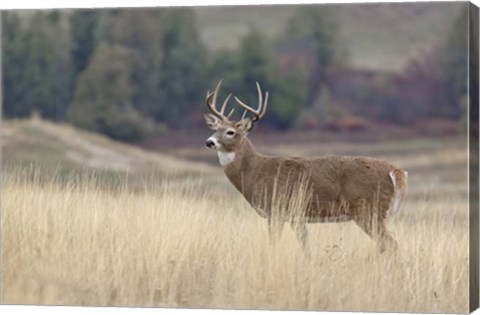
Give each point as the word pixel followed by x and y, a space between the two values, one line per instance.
pixel 183 67
pixel 103 95
pixel 16 43
pixel 256 65
pixel 286 88
pixel 288 100
pixel 317 27
pixel 256 62
pixel 37 66
pixel 226 65
pixel 83 28
pixel 140 30
pixel 452 61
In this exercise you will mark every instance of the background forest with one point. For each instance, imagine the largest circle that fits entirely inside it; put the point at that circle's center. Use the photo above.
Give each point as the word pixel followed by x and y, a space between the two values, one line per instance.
pixel 134 74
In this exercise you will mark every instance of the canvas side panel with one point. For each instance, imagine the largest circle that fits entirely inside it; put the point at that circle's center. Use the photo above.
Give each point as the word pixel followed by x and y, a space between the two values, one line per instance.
pixel 1 150
pixel 473 165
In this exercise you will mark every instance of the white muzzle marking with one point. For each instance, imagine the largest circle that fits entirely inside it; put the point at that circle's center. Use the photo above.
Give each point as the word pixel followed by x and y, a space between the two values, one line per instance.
pixel 216 145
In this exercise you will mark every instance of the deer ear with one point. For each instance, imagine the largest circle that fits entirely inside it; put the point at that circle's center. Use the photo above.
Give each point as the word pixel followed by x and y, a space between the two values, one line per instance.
pixel 245 124
pixel 212 121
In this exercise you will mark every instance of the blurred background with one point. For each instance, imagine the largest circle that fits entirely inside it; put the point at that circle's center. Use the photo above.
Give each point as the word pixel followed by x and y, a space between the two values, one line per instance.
pixel 78 83
pixel 335 72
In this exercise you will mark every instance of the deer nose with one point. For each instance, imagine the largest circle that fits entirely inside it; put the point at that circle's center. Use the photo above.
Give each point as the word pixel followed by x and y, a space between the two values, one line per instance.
pixel 209 143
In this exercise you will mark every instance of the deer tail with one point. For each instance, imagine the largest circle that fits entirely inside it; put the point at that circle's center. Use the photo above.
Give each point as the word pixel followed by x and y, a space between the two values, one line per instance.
pixel 400 185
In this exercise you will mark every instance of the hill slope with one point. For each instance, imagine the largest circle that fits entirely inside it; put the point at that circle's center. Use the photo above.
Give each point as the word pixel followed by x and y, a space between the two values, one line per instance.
pixel 54 145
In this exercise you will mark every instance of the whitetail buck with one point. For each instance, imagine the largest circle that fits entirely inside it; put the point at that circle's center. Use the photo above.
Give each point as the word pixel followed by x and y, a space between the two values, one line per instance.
pixel 341 188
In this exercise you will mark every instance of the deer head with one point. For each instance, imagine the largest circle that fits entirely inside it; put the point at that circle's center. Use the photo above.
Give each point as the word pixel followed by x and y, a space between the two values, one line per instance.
pixel 228 133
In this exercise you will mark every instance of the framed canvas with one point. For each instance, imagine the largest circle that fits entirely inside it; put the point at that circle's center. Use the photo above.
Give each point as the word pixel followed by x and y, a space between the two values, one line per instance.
pixel 319 157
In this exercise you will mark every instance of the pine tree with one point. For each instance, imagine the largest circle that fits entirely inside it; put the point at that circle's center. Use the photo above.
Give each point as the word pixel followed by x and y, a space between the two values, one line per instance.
pixel 16 44
pixel 452 61
pixel 317 27
pixel 183 67
pixel 140 30
pixel 37 66
pixel 257 64
pixel 83 28
pixel 103 95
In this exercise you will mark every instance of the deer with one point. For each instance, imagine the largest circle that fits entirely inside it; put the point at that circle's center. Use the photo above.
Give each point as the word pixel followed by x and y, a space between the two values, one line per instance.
pixel 340 188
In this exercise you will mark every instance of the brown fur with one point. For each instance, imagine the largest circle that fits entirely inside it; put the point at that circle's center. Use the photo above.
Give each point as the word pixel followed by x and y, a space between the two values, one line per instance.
pixel 341 188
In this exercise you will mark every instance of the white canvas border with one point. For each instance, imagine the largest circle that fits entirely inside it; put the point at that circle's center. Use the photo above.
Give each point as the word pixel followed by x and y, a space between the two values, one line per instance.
pixel 48 4
pixel 45 4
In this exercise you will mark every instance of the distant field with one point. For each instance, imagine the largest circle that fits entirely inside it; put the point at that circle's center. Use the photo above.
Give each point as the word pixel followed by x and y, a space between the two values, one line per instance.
pixel 375 36
pixel 146 237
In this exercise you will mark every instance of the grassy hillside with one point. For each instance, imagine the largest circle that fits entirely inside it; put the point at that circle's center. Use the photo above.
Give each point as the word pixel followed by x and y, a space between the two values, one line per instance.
pixel 61 147
pixel 375 36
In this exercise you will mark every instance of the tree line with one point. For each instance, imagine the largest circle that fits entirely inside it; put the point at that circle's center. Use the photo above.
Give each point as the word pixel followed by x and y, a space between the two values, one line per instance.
pixel 128 73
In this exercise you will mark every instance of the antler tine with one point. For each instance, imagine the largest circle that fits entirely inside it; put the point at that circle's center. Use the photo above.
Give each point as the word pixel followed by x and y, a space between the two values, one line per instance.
pixel 265 103
pixel 217 88
pixel 248 109
pixel 222 110
pixel 261 109
pixel 211 103
pixel 260 99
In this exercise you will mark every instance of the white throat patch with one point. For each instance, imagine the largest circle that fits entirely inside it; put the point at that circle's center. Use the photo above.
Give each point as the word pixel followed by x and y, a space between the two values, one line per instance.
pixel 225 158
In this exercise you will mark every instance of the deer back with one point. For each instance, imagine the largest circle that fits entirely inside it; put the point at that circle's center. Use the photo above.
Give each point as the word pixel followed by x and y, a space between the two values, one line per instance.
pixel 336 185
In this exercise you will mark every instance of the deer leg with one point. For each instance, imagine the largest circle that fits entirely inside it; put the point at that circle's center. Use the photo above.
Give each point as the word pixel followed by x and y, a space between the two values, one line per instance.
pixel 386 241
pixel 377 230
pixel 301 231
pixel 275 228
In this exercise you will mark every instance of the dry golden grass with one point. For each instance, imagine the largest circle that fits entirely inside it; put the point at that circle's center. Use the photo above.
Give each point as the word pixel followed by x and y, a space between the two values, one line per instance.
pixel 76 242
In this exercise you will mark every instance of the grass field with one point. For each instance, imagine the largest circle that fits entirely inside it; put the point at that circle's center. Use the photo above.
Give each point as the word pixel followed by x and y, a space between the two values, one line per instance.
pixel 158 239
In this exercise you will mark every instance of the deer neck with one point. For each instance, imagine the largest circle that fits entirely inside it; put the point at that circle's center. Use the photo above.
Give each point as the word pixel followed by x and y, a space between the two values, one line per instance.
pixel 240 161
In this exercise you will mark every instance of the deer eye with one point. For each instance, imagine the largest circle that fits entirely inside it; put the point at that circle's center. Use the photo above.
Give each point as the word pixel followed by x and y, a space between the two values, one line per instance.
pixel 230 132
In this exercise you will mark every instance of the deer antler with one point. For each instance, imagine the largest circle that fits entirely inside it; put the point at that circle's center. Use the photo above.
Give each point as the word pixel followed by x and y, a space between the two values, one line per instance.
pixel 261 108
pixel 211 101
